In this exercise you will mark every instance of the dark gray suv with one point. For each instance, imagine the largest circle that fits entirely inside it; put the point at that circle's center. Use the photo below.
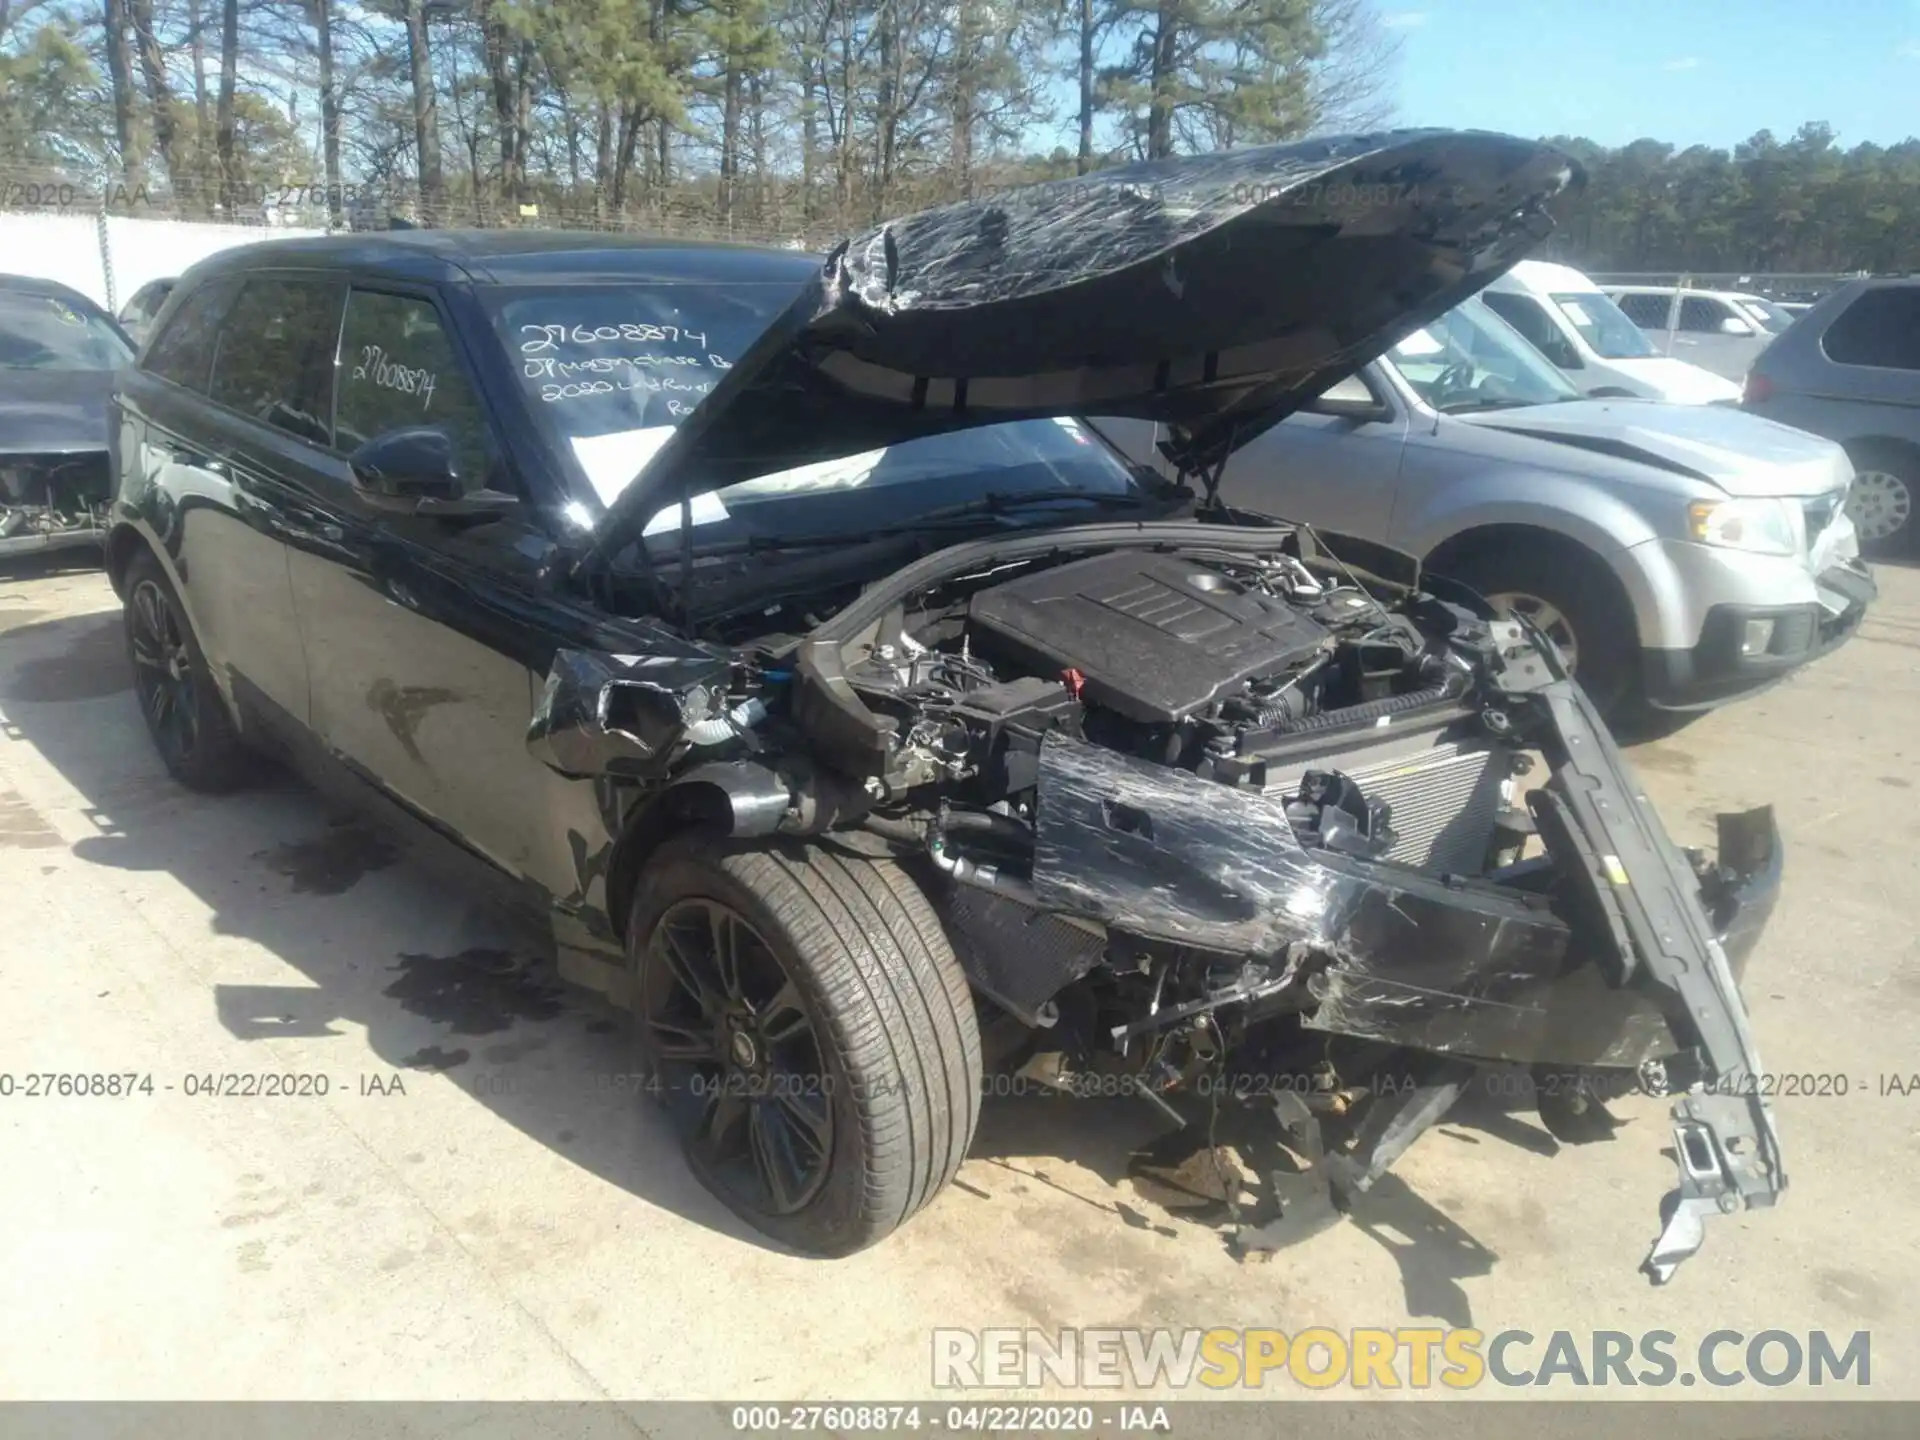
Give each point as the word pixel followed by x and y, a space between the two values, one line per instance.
pixel 1849 369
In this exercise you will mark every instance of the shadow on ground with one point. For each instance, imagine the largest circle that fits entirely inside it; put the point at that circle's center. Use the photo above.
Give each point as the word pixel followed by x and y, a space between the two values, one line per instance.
pixel 443 981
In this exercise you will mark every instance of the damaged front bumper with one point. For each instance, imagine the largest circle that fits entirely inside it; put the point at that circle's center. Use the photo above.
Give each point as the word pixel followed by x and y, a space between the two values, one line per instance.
pixel 1629 965
pixel 1726 1146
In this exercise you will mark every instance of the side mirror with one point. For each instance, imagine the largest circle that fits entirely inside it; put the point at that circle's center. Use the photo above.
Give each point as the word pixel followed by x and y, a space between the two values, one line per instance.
pixel 1732 325
pixel 406 469
pixel 1349 399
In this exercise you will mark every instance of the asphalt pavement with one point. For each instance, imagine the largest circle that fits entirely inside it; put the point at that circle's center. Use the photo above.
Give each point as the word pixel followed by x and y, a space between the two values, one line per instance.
pixel 449 1197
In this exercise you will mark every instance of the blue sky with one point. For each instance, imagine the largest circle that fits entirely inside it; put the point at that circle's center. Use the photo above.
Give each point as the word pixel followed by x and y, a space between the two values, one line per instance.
pixel 1689 71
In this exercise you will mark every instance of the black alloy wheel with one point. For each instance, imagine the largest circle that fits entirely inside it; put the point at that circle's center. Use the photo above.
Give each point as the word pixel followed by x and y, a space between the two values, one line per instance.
pixel 738 1058
pixel 183 709
pixel 809 1032
pixel 162 672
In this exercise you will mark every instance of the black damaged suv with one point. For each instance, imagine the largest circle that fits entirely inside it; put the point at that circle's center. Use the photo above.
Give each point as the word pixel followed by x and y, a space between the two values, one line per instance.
pixel 773 626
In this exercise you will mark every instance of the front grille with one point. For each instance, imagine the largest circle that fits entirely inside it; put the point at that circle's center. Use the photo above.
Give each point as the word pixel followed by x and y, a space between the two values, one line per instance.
pixel 1445 791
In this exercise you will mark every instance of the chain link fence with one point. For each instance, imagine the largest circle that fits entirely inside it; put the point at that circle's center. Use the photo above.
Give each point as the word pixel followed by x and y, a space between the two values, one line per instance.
pixel 1786 286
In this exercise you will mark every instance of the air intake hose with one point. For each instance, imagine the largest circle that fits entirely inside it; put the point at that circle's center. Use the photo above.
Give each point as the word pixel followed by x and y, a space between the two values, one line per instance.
pixel 1373 709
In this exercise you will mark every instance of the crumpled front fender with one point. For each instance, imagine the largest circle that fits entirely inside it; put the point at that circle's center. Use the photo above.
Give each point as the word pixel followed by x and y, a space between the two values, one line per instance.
pixel 613 715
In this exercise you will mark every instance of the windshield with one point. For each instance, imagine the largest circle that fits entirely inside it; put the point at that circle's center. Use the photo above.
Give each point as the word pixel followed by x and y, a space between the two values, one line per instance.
pixel 612 370
pixel 45 332
pixel 1604 326
pixel 1035 466
pixel 1470 359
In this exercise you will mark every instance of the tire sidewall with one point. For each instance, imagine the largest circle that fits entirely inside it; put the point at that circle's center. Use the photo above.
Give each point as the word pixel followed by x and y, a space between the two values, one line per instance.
pixel 830 1222
pixel 1573 583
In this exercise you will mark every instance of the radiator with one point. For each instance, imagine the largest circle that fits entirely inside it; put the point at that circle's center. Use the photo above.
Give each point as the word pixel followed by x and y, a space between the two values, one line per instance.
pixel 1446 792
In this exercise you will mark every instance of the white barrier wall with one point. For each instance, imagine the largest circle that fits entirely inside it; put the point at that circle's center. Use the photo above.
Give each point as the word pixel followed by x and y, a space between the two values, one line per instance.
pixel 55 247
pixel 67 248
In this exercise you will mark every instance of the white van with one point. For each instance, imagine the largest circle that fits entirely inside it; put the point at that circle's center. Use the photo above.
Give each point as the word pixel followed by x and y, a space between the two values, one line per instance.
pixel 1571 321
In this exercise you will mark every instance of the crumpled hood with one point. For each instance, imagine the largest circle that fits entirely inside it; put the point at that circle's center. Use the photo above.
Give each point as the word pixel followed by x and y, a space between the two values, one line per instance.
pixel 1214 294
pixel 53 411
pixel 1741 453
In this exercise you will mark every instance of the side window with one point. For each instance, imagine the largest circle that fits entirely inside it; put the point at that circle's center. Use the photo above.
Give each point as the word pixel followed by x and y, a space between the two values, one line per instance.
pixel 1697 312
pixel 275 361
pixel 1880 328
pixel 1530 318
pixel 1649 312
pixel 275 358
pixel 397 368
pixel 183 352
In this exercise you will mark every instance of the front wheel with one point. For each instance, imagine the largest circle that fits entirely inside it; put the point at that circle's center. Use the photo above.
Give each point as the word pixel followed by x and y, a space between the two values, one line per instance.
pixel 812 1037
pixel 1569 595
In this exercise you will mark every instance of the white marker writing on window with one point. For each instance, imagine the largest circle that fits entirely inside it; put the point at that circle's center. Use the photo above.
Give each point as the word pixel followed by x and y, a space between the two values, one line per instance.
pixel 392 375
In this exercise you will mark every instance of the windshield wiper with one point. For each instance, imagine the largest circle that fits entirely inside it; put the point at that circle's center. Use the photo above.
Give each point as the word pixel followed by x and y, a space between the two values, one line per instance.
pixel 996 502
pixel 1487 402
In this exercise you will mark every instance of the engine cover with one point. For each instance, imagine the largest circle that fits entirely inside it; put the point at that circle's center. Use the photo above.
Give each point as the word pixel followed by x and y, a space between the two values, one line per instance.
pixel 1156 637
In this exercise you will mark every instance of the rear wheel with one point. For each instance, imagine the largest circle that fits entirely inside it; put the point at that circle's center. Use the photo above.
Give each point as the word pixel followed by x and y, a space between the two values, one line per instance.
pixel 1880 501
pixel 810 1033
pixel 1567 592
pixel 185 713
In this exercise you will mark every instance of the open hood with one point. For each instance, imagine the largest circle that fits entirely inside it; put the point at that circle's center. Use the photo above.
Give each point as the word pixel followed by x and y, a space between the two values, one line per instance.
pixel 1214 294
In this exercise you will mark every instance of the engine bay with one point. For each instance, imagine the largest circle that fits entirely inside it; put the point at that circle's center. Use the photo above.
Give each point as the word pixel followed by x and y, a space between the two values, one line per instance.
pixel 53 501
pixel 1252 672
pixel 1197 801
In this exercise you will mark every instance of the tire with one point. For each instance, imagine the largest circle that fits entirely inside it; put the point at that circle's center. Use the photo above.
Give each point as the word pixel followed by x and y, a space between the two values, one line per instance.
pixel 874 1098
pixel 1566 586
pixel 1884 496
pixel 184 711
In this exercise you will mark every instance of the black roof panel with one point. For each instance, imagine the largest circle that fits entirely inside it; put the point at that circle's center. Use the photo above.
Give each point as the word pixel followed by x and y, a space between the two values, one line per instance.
pixel 521 257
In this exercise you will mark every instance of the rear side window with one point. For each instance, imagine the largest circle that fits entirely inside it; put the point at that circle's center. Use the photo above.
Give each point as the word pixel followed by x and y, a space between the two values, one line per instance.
pixel 398 368
pixel 1529 317
pixel 1699 313
pixel 145 305
pixel 274 362
pixel 183 352
pixel 1647 311
pixel 1880 328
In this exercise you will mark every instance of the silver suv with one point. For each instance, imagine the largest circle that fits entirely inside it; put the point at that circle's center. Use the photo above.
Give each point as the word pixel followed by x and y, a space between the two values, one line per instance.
pixel 1679 555
pixel 1849 369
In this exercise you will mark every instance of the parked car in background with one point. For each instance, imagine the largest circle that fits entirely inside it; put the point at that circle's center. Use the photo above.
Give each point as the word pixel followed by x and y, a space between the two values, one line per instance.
pixel 1576 325
pixel 136 316
pixel 1850 370
pixel 58 354
pixel 1679 555
pixel 1708 328
pixel 1770 316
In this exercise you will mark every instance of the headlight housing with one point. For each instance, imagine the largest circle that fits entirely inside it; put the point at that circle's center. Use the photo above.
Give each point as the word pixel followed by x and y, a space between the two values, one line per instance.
pixel 1761 527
